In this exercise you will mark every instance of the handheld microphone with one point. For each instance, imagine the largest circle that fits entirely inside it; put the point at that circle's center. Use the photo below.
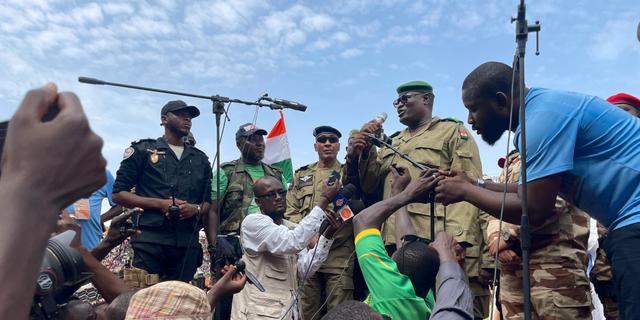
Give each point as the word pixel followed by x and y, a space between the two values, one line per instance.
pixel 381 118
pixel 241 268
pixel 339 202
pixel 343 197
pixel 286 103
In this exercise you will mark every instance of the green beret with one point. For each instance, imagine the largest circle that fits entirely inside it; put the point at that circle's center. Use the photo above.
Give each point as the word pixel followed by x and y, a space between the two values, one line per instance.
pixel 419 86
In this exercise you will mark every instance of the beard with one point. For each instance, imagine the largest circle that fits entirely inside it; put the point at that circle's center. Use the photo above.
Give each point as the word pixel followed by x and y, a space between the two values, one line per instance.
pixel 492 135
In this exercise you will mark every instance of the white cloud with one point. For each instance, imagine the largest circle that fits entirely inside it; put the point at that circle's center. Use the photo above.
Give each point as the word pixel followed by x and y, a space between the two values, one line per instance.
pixel 118 8
pixel 317 22
pixel 614 38
pixel 350 53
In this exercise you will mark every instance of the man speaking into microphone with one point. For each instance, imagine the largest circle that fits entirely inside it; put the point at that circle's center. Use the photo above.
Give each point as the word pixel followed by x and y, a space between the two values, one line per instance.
pixel 439 144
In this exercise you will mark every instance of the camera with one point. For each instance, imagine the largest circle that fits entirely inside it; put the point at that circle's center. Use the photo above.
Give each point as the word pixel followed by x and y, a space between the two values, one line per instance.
pixel 62 272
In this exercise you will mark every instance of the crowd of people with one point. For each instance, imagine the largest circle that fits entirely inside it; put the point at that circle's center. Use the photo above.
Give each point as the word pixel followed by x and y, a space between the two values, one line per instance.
pixel 408 228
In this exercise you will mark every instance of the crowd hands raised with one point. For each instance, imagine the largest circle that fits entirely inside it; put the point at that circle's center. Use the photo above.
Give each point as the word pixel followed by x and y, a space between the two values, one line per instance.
pixel 30 192
pixel 299 240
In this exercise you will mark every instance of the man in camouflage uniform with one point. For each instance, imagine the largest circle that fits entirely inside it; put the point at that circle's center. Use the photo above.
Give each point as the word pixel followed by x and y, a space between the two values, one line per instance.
pixel 559 285
pixel 602 279
pixel 236 202
pixel 329 281
pixel 438 143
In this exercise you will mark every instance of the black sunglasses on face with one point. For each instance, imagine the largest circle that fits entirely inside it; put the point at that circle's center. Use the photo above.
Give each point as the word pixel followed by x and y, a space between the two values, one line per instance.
pixel 325 139
pixel 404 98
pixel 273 195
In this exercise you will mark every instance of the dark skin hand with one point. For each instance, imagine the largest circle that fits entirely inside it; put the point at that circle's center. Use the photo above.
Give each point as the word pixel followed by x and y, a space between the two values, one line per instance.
pixel 417 191
pixel 230 283
pixel 114 235
pixel 28 175
pixel 400 180
pixel 108 284
pixel 448 248
pixel 541 195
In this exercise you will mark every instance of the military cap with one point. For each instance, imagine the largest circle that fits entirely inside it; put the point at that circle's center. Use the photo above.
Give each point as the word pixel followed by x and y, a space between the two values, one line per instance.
pixel 326 129
pixel 625 98
pixel 176 105
pixel 419 86
pixel 249 129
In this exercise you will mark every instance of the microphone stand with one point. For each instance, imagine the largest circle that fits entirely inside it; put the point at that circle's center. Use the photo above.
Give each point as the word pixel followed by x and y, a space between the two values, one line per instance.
pixel 218 109
pixel 418 165
pixel 522 32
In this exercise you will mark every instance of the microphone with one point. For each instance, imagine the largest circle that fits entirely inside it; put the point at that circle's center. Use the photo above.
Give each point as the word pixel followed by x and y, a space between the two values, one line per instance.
pixel 339 202
pixel 286 103
pixel 241 266
pixel 343 197
pixel 90 80
pixel 381 118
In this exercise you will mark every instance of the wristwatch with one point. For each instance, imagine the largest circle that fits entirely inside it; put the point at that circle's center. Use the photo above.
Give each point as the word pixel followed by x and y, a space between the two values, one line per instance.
pixel 481 183
pixel 507 236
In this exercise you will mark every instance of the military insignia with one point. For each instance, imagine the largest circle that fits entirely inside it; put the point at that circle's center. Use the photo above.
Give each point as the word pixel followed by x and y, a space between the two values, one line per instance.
pixel 128 152
pixel 153 155
pixel 305 181
pixel 464 135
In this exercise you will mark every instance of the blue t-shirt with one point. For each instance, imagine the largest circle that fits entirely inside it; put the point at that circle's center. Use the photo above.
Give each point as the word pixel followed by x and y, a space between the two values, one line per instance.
pixel 91 227
pixel 595 142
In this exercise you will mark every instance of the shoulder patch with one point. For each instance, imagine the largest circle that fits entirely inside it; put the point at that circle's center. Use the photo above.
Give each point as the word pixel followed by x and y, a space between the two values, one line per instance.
pixel 128 152
pixel 462 132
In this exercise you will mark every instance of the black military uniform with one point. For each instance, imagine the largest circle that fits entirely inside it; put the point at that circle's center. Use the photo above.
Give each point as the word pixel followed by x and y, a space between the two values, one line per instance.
pixel 166 246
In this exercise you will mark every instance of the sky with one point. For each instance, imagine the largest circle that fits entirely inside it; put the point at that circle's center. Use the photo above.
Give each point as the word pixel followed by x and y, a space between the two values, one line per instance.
pixel 343 59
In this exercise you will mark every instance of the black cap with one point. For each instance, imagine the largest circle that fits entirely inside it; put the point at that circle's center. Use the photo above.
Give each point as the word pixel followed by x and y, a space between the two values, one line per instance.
pixel 249 129
pixel 176 105
pixel 326 129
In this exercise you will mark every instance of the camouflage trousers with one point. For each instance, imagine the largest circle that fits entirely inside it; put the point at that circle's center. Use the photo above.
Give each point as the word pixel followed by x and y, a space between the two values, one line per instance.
pixel 557 292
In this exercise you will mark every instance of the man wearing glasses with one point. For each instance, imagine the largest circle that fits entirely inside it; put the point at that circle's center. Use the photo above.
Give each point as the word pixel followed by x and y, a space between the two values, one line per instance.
pixel 304 194
pixel 443 144
pixel 275 251
pixel 236 201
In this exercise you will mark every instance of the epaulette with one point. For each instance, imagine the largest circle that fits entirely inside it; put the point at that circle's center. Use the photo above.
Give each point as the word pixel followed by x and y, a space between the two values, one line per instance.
pixel 142 140
pixel 230 163
pixel 452 119
pixel 305 167
pixel 196 149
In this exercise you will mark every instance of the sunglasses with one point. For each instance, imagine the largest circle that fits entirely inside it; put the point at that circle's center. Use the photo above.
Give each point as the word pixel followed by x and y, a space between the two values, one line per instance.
pixel 273 195
pixel 325 139
pixel 403 99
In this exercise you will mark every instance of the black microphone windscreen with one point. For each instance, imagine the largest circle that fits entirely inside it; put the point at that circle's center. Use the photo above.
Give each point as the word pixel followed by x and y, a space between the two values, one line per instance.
pixel 90 80
pixel 356 206
pixel 349 190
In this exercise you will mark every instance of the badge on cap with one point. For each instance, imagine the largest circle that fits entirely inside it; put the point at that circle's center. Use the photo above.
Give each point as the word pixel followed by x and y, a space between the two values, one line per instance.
pixel 249 127
pixel 128 152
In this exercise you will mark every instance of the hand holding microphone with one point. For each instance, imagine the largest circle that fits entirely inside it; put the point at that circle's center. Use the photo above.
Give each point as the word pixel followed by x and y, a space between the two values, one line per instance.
pixel 360 142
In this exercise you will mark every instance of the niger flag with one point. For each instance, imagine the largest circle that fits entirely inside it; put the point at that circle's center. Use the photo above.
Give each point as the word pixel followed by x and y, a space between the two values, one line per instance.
pixel 277 149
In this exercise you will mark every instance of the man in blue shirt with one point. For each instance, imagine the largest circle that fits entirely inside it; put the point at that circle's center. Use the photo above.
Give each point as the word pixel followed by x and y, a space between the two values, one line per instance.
pixel 87 213
pixel 579 147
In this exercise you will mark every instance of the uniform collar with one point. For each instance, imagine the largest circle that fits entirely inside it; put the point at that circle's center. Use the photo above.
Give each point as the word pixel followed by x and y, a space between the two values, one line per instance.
pixel 162 144
pixel 405 135
pixel 336 165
